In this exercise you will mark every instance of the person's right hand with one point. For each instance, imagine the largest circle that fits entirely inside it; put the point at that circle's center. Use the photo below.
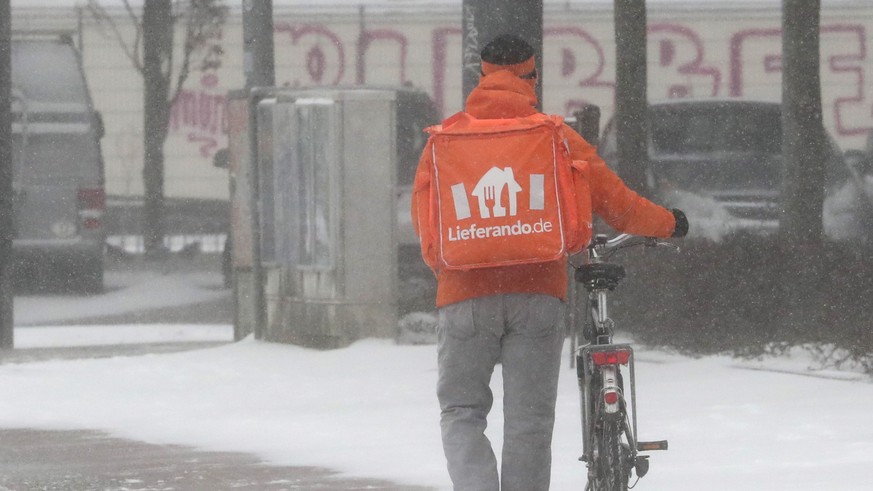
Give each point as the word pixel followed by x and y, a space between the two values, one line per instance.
pixel 681 229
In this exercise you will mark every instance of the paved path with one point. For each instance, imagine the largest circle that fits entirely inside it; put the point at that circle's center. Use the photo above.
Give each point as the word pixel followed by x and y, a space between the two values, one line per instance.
pixel 36 460
pixel 33 460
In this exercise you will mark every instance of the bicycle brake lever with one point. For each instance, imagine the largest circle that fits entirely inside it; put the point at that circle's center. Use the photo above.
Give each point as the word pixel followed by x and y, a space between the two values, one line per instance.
pixel 654 242
pixel 664 243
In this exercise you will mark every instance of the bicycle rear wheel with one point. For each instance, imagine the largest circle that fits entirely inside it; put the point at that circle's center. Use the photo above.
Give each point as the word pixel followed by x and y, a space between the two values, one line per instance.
pixel 613 458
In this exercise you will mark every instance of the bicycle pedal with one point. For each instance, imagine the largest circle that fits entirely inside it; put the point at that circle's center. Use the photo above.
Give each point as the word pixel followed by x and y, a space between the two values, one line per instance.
pixel 649 446
pixel 641 465
pixel 583 459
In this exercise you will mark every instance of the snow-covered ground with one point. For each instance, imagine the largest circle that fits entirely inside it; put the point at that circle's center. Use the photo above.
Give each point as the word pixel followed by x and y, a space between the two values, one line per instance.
pixel 370 410
pixel 126 291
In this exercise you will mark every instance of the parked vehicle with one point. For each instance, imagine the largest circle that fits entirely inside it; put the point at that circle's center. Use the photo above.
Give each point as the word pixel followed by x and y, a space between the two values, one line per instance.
pixel 722 161
pixel 848 209
pixel 58 177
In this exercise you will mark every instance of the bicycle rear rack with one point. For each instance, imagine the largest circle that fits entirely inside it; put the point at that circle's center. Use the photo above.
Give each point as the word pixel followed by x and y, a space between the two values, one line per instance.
pixel 584 372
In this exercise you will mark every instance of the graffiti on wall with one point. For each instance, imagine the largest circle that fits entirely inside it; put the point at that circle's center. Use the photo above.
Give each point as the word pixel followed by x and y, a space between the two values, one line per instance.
pixel 755 54
pixel 199 114
pixel 683 63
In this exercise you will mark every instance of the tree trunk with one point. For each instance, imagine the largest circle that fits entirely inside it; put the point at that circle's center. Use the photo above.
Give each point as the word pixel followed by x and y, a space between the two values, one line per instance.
pixel 803 137
pixel 484 20
pixel 258 48
pixel 631 101
pixel 803 153
pixel 6 191
pixel 157 51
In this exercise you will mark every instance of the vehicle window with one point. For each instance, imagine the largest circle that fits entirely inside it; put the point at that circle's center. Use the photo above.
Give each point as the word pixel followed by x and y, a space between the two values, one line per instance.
pixel 46 158
pixel 47 71
pixel 755 172
pixel 715 129
pixel 717 147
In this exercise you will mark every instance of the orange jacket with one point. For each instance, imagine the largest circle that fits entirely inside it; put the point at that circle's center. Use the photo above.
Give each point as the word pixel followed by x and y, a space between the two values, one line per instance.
pixel 598 190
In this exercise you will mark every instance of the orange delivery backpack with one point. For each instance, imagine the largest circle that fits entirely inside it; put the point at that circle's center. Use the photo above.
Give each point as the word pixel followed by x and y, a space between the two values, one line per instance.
pixel 501 192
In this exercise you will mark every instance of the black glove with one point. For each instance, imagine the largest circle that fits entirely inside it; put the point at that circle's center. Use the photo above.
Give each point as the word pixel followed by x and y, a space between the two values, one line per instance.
pixel 681 229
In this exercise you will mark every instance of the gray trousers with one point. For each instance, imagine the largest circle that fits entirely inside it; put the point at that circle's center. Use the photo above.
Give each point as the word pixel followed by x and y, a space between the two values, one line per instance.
pixel 524 333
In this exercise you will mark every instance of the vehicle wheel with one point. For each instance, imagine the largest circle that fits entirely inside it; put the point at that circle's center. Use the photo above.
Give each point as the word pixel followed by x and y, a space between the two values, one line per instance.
pixel 614 471
pixel 227 263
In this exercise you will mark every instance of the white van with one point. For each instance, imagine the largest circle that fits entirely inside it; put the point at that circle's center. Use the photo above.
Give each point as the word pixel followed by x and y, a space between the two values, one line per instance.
pixel 58 179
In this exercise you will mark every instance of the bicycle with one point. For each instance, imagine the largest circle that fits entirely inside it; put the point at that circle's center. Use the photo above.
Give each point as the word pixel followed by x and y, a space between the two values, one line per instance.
pixel 609 419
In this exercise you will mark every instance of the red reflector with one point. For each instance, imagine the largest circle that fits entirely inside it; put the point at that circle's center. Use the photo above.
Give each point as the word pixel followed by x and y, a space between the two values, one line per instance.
pixel 92 199
pixel 91 223
pixel 619 357
pixel 610 397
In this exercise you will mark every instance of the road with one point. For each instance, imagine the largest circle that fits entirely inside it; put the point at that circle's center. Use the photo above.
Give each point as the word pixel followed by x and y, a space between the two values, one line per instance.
pixel 137 293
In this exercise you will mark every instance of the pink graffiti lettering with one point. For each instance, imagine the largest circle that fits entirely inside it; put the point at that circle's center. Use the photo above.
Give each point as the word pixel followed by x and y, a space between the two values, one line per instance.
pixel 684 62
pixel 849 64
pixel 572 37
pixel 849 48
pixel 199 109
pixel 315 63
pixel 681 51
pixel 208 144
pixel 736 47
pixel 368 38
pixel 317 60
pixel 578 44
pixel 203 115
pixel 209 80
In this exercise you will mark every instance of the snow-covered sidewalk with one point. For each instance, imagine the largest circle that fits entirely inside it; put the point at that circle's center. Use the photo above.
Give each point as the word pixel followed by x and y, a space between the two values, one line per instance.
pixel 370 410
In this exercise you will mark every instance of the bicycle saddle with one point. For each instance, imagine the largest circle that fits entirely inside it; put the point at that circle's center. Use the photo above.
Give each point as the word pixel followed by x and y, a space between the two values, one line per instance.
pixel 600 276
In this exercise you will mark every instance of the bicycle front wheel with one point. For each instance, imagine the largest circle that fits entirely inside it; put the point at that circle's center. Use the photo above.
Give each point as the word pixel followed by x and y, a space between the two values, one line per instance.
pixel 613 455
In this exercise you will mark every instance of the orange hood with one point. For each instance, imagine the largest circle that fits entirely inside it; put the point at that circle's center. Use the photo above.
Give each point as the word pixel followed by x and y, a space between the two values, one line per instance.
pixel 501 95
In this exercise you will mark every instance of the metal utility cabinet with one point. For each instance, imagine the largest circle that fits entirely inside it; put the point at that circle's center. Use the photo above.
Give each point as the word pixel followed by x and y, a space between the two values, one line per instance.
pixel 330 171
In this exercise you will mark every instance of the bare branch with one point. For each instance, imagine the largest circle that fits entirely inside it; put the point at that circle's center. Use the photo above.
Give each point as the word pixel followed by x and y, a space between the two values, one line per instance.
pixel 138 29
pixel 187 49
pixel 203 22
pixel 102 17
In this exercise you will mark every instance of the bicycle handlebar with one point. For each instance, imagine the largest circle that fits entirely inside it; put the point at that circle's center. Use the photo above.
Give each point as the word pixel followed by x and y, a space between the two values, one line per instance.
pixel 601 245
pixel 606 244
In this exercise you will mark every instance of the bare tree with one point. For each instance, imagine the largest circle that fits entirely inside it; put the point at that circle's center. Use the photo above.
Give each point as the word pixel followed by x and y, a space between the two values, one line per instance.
pixel 152 50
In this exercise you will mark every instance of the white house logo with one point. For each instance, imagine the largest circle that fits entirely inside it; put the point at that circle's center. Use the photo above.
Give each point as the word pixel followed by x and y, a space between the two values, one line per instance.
pixel 491 187
pixel 499 188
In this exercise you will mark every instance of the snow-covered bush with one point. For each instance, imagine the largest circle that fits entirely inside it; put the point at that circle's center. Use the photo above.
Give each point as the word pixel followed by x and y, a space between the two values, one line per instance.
pixel 742 295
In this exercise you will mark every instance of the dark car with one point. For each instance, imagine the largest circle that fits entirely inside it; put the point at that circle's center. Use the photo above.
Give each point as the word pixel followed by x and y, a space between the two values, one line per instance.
pixel 58 176
pixel 721 160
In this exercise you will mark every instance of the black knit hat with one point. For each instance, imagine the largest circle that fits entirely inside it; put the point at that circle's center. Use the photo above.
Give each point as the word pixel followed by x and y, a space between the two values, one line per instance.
pixel 511 53
pixel 507 49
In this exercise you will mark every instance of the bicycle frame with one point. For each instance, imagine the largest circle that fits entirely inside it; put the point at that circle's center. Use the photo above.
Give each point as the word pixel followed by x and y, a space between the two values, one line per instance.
pixel 599 365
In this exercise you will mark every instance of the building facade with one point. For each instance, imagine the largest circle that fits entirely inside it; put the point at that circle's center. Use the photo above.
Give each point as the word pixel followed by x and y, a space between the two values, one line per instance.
pixel 696 50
